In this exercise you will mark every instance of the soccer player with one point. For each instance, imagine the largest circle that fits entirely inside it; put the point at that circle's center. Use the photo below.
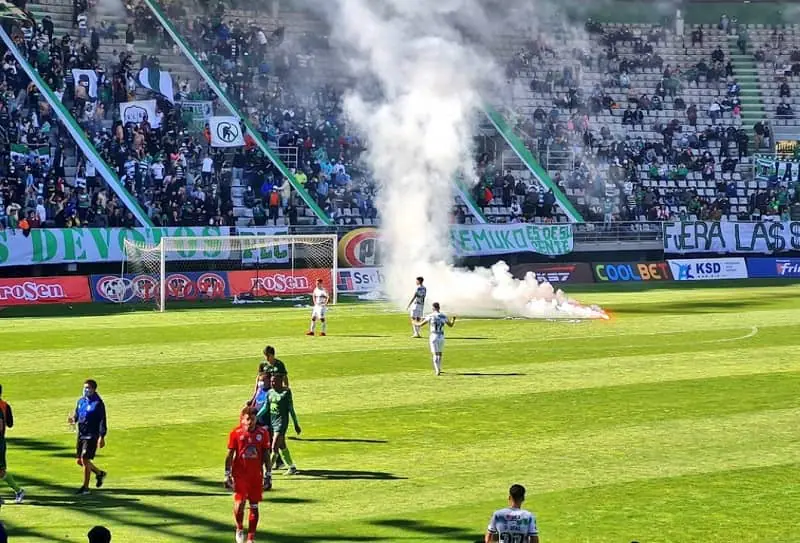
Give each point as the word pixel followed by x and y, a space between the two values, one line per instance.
pixel 248 453
pixel 7 421
pixel 90 415
pixel 320 298
pixel 513 524
pixel 279 408
pixel 417 305
pixel 273 366
pixel 437 321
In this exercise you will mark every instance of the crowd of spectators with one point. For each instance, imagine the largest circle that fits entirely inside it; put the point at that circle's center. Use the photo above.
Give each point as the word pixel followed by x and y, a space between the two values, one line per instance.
pixel 648 170
pixel 277 83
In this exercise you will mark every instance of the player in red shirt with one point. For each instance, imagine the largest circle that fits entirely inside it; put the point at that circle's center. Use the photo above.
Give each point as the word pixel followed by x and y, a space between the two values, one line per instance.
pixel 248 453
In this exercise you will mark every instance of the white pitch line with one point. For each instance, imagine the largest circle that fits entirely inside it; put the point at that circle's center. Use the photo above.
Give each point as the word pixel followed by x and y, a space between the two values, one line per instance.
pixel 753 331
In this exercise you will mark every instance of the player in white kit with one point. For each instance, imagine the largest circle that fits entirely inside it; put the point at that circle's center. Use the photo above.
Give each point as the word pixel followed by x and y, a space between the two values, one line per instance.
pixel 513 524
pixel 320 299
pixel 417 306
pixel 437 321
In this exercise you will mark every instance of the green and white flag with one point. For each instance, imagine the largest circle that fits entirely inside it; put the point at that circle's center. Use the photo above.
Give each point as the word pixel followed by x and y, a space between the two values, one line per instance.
pixel 9 11
pixel 18 152
pixel 157 81
pixel 43 154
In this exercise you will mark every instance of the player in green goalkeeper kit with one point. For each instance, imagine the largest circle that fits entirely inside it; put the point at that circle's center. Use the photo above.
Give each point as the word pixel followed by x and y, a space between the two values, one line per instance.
pixel 277 410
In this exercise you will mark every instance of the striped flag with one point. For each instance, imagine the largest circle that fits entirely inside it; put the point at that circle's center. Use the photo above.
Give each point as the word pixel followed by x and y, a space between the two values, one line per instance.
pixel 9 11
pixel 157 81
pixel 18 152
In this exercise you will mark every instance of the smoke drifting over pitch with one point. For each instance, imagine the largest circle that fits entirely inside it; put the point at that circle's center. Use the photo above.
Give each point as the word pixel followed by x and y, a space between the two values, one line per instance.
pixel 421 84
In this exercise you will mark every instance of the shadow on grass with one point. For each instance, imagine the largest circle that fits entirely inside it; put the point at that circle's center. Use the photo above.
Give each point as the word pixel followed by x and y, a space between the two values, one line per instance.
pixel 468 338
pixel 115 511
pixel 347 475
pixel 484 374
pixel 336 440
pixel 430 531
pixel 362 335
pixel 40 445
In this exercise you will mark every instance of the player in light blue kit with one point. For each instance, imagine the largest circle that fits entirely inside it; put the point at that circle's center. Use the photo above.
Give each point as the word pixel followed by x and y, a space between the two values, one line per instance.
pixel 513 524
pixel 417 306
pixel 437 321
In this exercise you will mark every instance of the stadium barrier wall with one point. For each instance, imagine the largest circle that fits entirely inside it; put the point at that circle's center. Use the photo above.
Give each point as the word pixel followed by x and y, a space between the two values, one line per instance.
pixel 616 272
pixel 579 272
pixel 788 268
pixel 44 290
pixel 708 269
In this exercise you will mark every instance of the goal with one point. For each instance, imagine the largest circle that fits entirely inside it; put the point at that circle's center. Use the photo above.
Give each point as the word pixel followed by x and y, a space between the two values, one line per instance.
pixel 241 269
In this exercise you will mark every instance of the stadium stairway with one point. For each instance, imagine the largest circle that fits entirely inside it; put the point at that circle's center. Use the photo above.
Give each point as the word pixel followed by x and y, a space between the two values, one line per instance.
pixel 745 70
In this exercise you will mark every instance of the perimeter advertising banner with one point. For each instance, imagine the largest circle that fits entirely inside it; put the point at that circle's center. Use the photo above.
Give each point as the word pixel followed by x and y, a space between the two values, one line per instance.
pixel 86 245
pixel 359 280
pixel 708 269
pixel 773 267
pixel 132 288
pixel 258 283
pixel 632 271
pixel 44 290
pixel 731 237
pixel 579 272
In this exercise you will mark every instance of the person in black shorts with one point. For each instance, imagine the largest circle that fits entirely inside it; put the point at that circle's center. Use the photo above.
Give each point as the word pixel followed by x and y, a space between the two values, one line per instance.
pixel 90 416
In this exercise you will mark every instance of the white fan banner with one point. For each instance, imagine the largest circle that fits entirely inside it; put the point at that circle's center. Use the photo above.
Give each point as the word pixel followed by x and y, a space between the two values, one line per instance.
pixel 225 132
pixel 137 111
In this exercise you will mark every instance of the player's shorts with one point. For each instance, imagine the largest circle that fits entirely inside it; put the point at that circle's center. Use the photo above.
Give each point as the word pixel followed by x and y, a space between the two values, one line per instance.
pixel 249 489
pixel 437 344
pixel 416 312
pixel 278 430
pixel 319 312
pixel 86 448
pixel 3 453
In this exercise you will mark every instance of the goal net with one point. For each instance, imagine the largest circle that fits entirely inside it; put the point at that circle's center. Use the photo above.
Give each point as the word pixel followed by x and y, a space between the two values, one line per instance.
pixel 241 269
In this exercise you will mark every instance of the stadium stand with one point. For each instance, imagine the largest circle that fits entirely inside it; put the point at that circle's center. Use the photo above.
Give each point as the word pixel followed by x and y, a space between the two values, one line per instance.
pixel 655 126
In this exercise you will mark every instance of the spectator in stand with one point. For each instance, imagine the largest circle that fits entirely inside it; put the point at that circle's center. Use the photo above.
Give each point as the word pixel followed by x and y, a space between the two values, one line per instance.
pixel 130 39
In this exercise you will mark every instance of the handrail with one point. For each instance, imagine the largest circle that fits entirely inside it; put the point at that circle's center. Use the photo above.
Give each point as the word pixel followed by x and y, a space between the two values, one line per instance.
pixel 77 134
pixel 262 145
pixel 527 158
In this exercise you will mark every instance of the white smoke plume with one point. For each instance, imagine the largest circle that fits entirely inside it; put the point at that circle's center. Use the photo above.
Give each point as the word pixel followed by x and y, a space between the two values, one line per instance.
pixel 422 82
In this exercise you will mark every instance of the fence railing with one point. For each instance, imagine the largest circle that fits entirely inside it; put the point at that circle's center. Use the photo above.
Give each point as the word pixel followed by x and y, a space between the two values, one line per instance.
pixel 618 231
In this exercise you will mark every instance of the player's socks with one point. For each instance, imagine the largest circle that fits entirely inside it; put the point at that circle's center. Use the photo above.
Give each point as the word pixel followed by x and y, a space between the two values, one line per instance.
pixel 252 524
pixel 287 457
pixel 415 328
pixel 238 515
pixel 313 326
pixel 10 481
pixel 324 327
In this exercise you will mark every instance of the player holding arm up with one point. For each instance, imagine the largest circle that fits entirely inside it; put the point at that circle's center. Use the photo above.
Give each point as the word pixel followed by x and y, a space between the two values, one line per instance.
pixel 417 306
pixel 320 299
pixel 437 321
pixel 248 454
pixel 513 524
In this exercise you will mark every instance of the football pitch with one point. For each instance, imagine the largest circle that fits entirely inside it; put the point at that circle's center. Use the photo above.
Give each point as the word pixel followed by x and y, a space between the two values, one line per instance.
pixel 677 420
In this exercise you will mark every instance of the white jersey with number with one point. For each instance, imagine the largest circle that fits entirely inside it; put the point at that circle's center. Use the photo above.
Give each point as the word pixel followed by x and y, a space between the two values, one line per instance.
pixel 513 525
pixel 418 305
pixel 320 298
pixel 437 321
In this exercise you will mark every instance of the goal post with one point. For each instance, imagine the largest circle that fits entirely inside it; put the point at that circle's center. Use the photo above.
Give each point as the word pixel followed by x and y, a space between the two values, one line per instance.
pixel 244 269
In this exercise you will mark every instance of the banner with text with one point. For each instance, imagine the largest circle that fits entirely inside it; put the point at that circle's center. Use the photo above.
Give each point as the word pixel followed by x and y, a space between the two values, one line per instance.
pixel 632 271
pixel 359 280
pixel 579 272
pixel 200 112
pixel 85 245
pixel 258 283
pixel 708 269
pixel 44 290
pixel 144 287
pixel 497 239
pixel 731 237
pixel 265 252
pixel 773 267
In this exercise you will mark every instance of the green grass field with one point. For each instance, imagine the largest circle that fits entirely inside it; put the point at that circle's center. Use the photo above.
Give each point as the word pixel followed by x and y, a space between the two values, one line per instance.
pixel 678 420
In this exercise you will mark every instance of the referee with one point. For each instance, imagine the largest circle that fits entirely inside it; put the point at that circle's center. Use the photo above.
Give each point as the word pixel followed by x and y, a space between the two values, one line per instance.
pixel 90 416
